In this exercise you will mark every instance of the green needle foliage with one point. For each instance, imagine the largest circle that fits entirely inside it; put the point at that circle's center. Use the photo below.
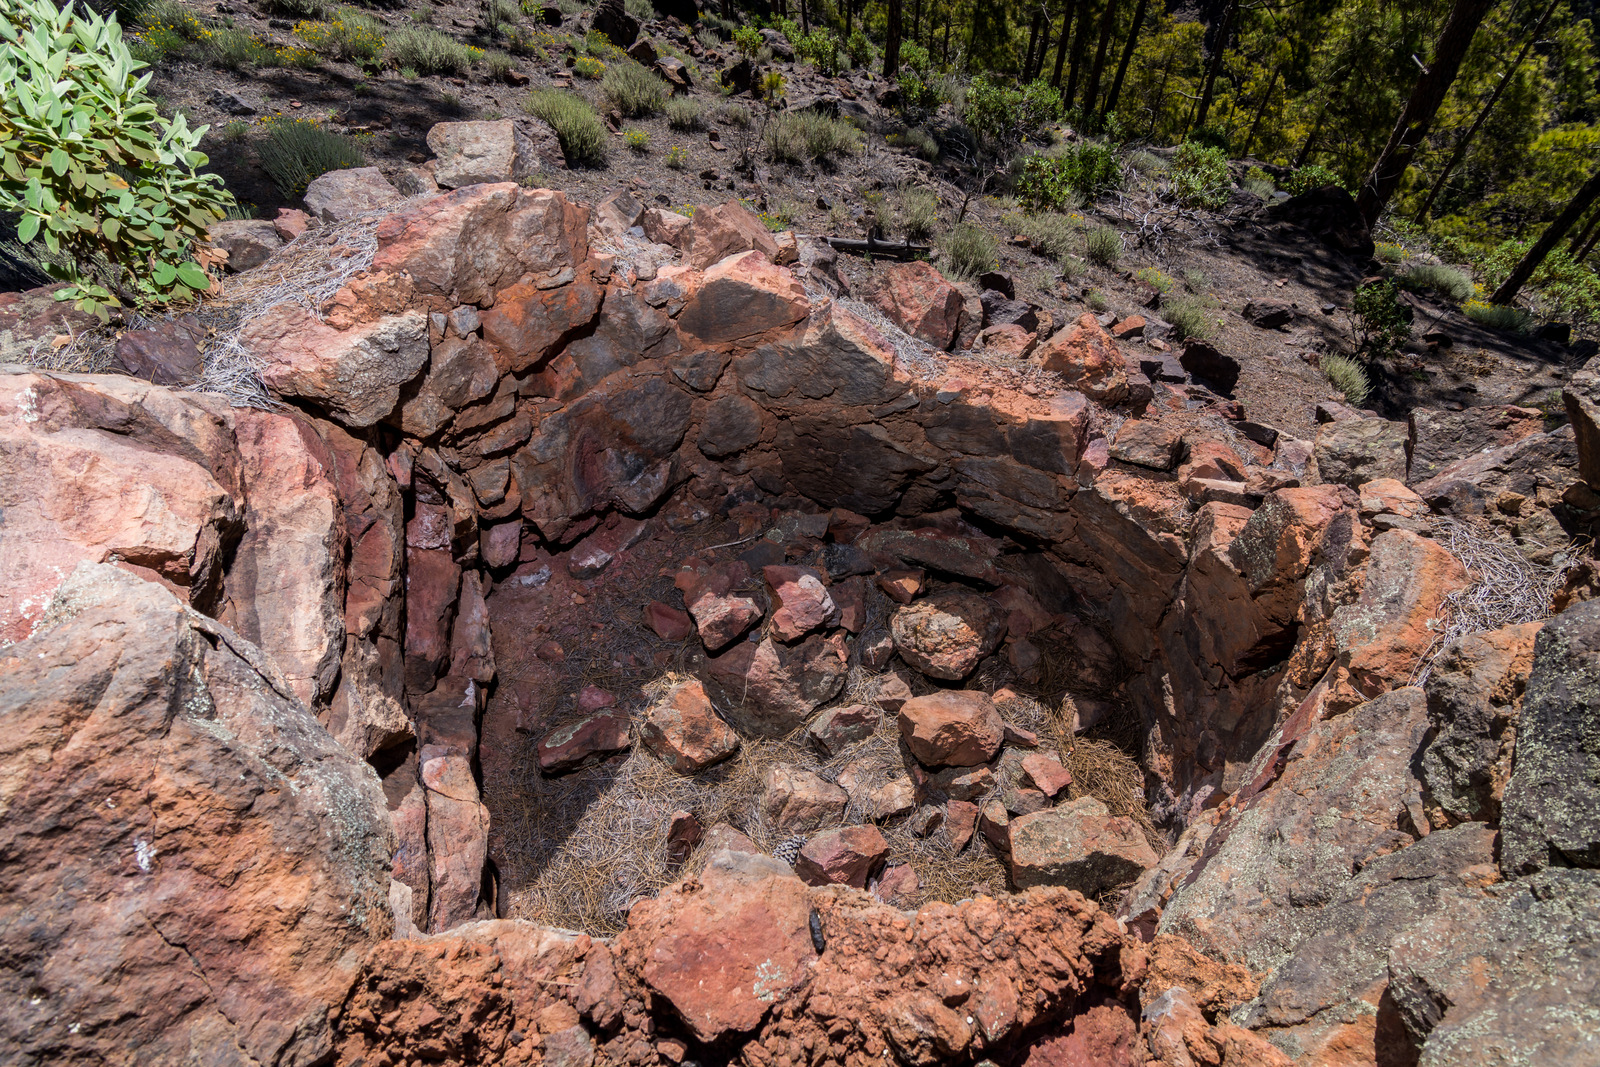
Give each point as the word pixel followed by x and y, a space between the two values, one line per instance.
pixel 90 166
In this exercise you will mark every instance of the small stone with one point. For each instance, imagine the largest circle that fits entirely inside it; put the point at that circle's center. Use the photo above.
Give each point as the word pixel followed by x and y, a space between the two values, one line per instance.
pixel 961 822
pixel 947 634
pixel 1046 773
pixel 846 856
pixel 685 732
pixel 902 584
pixel 837 728
pixel 683 834
pixel 891 692
pixel 795 801
pixel 893 798
pixel 953 727
pixel 592 698
pixel 1147 443
pixel 573 745
pixel 1079 845
pixel 801 602
pixel 876 650
pixel 1016 735
pixel 926 820
pixel 962 783
pixel 668 622
pixel 898 887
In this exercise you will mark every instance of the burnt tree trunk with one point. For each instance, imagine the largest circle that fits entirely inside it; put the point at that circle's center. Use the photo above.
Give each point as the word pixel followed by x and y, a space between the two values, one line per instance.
pixel 1575 209
pixel 1080 42
pixel 1061 43
pixel 891 45
pixel 1417 116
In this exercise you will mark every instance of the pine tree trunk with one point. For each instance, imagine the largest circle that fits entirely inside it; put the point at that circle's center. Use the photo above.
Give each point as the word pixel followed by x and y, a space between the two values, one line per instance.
pixel 1080 44
pixel 805 16
pixel 1417 116
pixel 1033 42
pixel 891 46
pixel 1477 123
pixel 1255 124
pixel 1061 44
pixel 1127 54
pixel 1044 46
pixel 1584 235
pixel 1108 20
pixel 1311 138
pixel 1575 209
pixel 1214 64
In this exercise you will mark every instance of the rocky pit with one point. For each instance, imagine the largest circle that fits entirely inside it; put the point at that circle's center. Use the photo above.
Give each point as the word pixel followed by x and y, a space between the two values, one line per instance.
pixel 615 648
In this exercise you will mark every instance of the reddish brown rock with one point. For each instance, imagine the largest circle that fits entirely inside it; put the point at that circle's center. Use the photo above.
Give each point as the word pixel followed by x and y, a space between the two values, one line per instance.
pixel 916 298
pixel 714 233
pixel 1106 1035
pixel 899 887
pixel 742 299
pixel 961 822
pixel 893 798
pixel 770 689
pixel 683 730
pixel 1147 443
pixel 1087 359
pixel 229 862
pixel 668 622
pixel 720 616
pixel 726 948
pixel 850 597
pixel 947 634
pixel 528 325
pixel 800 601
pixel 355 374
pixel 795 801
pixel 1079 845
pixel 1046 773
pixel 683 834
pixel 902 584
pixel 1214 986
pixel 722 836
pixel 953 727
pixel 837 728
pixel 1008 341
pixel 891 691
pixel 847 856
pixel 569 747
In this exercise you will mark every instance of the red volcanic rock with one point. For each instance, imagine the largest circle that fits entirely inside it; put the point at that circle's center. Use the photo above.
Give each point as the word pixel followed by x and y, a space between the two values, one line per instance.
pixel 838 728
pixel 961 821
pixel 1107 1035
pixel 720 616
pixel 528 325
pixel 570 747
pixel 715 233
pixel 1046 773
pixel 723 950
pixel 800 601
pixel 668 622
pixel 684 731
pixel 1079 845
pixel 945 635
pixel 891 691
pixel 842 857
pixel 355 374
pixel 850 597
pixel 1087 358
pixel 593 698
pixel 902 584
pixel 1008 340
pixel 953 727
pixel 192 861
pixel 741 299
pixel 770 689
pixel 917 299
pixel 898 887
pixel 795 801
pixel 683 834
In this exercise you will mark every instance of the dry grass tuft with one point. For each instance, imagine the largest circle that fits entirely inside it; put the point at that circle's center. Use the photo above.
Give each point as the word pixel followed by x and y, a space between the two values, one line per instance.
pixel 1106 772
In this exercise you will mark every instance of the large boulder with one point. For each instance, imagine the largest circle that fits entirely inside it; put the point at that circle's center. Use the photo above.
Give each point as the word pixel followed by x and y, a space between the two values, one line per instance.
pixel 742 298
pixel 795 801
pixel 1080 845
pixel 192 861
pixel 716 233
pixel 1088 360
pixel 1551 816
pixel 952 728
pixel 501 150
pixel 769 689
pixel 917 299
pixel 1439 438
pixel 683 730
pixel 354 374
pixel 343 194
pixel 947 634
pixel 1353 451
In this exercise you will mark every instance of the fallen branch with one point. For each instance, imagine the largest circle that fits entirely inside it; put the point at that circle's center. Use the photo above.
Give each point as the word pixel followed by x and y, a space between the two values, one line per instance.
pixel 871 247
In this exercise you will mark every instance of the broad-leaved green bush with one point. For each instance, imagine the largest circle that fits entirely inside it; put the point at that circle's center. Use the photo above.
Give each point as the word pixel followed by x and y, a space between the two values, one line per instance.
pixel 91 168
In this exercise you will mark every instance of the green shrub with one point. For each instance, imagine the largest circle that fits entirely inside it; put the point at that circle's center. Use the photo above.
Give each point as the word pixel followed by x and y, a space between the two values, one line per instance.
pixel 1200 175
pixel 1497 316
pixel 683 113
pixel 1095 299
pixel 424 15
pixel 91 170
pixel 1006 117
pixel 747 39
pixel 1448 282
pixel 821 47
pixel 969 250
pixel 637 141
pixel 1312 176
pixel 1349 377
pixel 1103 245
pixel 1064 181
pixel 918 214
pixel 577 127
pixel 1155 279
pixel 795 136
pixel 1388 253
pixel 1563 285
pixel 297 151
pixel 348 35
pixel 1148 163
pixel 498 16
pixel 677 157
pixel 735 115
pixel 313 10
pixel 235 131
pixel 1049 234
pixel 918 140
pixel 588 68
pixel 631 89
pixel 1381 323
pixel 1190 317
pixel 428 51
pixel 1194 280
pixel 1263 188
pixel 643 10
pixel 862 53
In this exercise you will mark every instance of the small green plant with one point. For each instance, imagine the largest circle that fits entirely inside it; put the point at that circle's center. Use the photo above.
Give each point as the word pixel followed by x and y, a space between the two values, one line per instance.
pixel 677 157
pixel 1312 176
pixel 1096 300
pixel 1191 317
pixel 1381 323
pixel 1148 163
pixel 1048 233
pixel 299 9
pixel 1007 117
pixel 1349 377
pixel 861 52
pixel 349 35
pixel 969 250
pixel 631 89
pixel 747 39
pixel 91 169
pixel 736 115
pixel 643 10
pixel 1199 175
pixel 1194 280
pixel 297 151
pixel 1497 316
pixel 423 15
pixel 683 114
pixel 1388 253
pixel 497 16
pixel 1062 181
pixel 638 141
pixel 917 140
pixel 1155 279
pixel 795 136
pixel 1448 282
pixel 588 68
pixel 497 65
pixel 918 214
pixel 577 127
pixel 235 131
pixel 822 49
pixel 1103 245
pixel 428 51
